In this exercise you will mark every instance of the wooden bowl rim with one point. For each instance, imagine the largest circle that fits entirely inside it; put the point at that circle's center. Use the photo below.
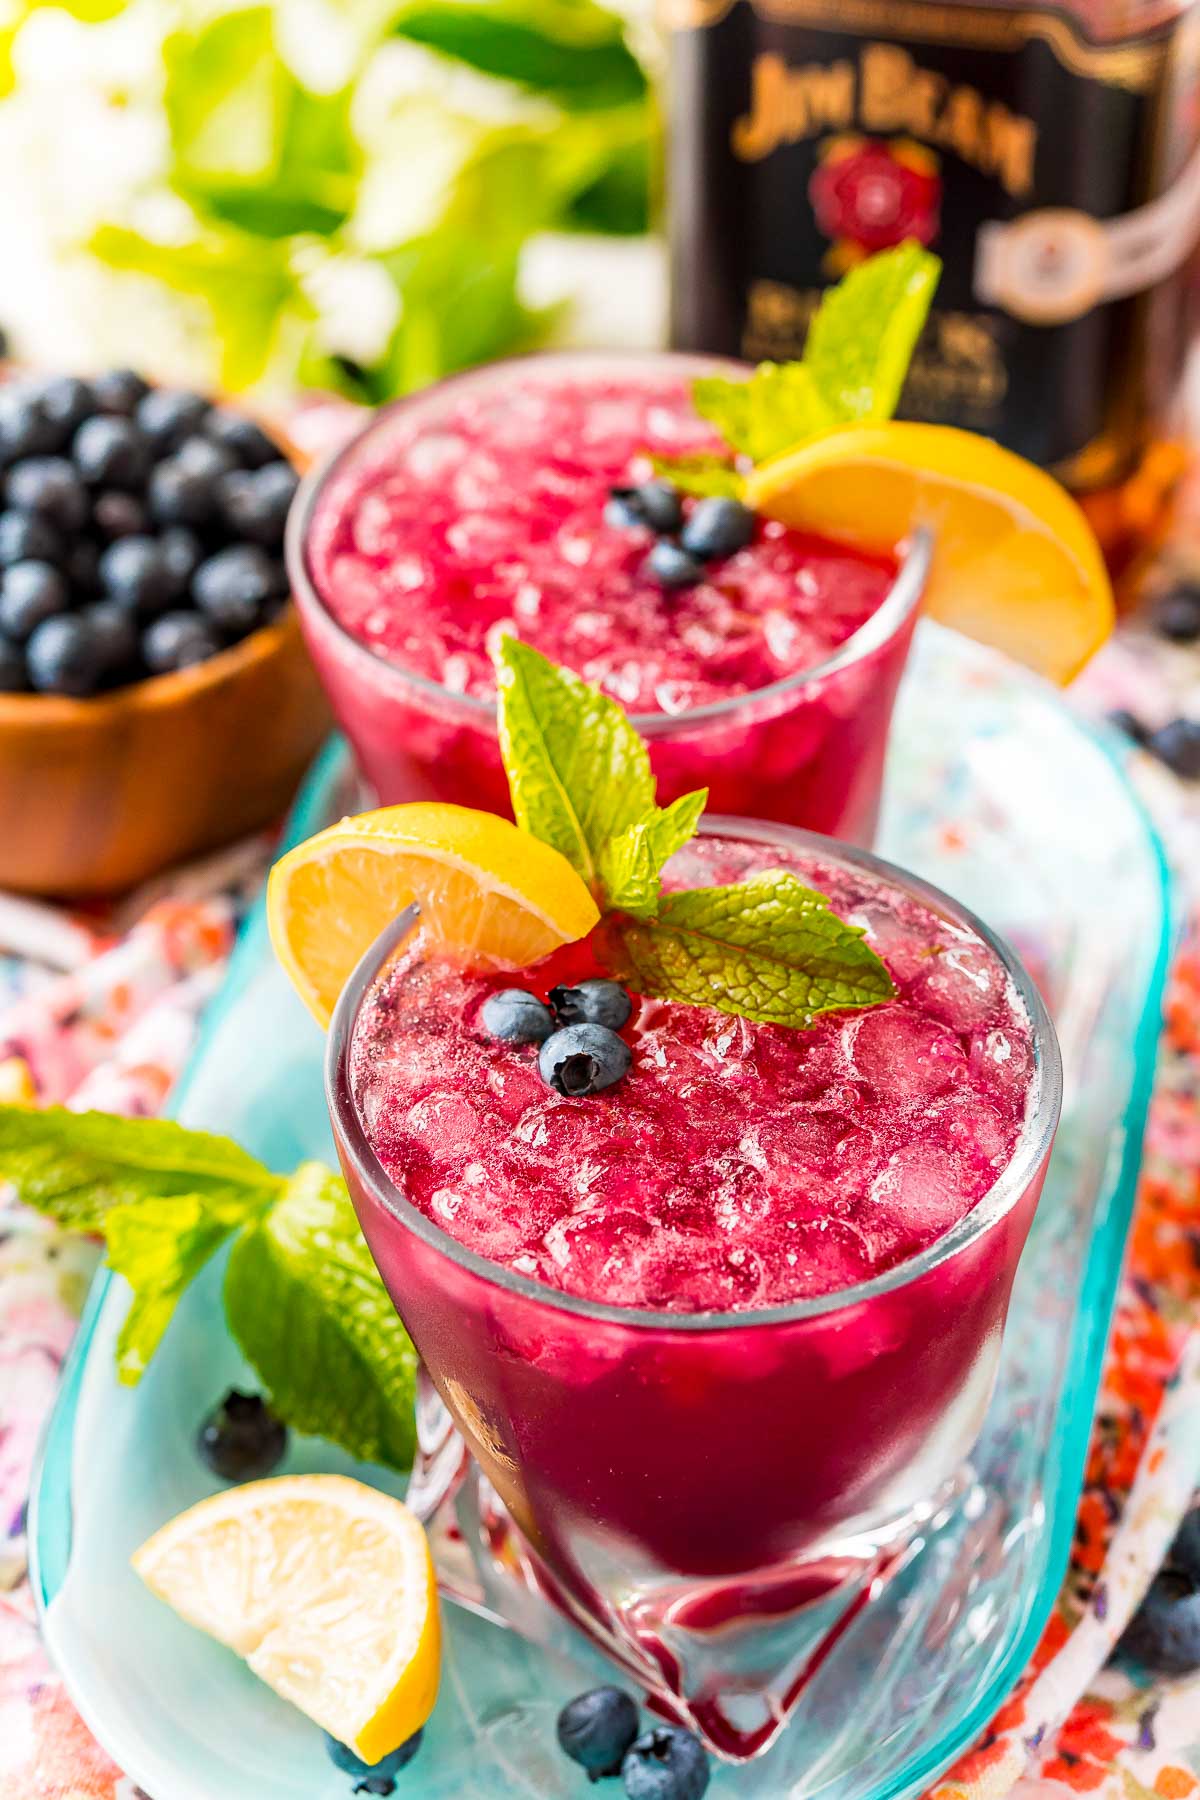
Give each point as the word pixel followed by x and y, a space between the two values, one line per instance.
pixel 156 692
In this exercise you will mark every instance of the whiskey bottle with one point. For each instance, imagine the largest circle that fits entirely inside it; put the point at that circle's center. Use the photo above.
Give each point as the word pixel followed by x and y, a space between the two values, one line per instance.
pixel 1051 157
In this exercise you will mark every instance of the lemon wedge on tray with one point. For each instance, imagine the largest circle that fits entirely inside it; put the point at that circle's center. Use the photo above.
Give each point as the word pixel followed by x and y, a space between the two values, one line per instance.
pixel 489 894
pixel 1015 562
pixel 324 1587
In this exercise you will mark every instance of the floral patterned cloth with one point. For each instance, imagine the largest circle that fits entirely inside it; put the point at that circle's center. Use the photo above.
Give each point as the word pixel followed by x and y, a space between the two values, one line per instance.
pixel 103 1011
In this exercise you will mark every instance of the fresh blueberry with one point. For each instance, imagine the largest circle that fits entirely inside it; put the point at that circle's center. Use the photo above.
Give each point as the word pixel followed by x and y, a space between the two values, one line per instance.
pixel 344 1758
pixel 30 593
pixel 49 486
pixel 181 495
pixel 1164 1633
pixel 597 1728
pixel 24 428
pixel 247 440
pixel 64 656
pixel 671 566
pixel 1177 614
pixel 176 641
pixel 82 568
pixel 110 451
pixel 201 456
pixel 1185 1551
pixel 666 1763
pixel 133 571
pixel 1178 745
pixel 717 527
pixel 66 401
pixel 255 505
pixel 116 515
pixel 14 677
pixel 116 636
pixel 517 1017
pixel 119 391
pixel 1129 723
pixel 25 537
pixel 582 1059
pixel 234 587
pixel 660 505
pixel 241 1439
pixel 169 415
pixel 621 511
pixel 181 553
pixel 594 1002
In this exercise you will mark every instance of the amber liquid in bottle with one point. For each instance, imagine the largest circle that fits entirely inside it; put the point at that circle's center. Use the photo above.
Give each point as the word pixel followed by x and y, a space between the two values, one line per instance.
pixel 1051 158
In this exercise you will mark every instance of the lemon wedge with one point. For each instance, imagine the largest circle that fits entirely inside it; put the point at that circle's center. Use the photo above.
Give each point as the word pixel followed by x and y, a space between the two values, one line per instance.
pixel 324 1587
pixel 490 896
pixel 1015 562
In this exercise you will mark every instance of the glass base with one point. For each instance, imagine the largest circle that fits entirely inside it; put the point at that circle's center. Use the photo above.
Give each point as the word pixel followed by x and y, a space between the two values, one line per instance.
pixel 732 1660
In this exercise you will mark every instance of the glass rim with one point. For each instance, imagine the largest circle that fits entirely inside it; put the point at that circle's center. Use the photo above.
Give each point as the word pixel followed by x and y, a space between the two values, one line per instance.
pixel 1028 1155
pixel 888 619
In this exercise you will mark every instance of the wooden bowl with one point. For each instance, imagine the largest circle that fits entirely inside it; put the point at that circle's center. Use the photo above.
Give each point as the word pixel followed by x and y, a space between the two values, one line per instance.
pixel 98 794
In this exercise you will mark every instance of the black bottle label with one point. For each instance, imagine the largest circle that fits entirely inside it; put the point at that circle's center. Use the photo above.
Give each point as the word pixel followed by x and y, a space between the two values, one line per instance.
pixel 1058 179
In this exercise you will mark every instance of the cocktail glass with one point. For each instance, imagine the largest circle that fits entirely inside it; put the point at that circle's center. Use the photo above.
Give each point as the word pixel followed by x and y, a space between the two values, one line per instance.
pixel 807 750
pixel 709 1496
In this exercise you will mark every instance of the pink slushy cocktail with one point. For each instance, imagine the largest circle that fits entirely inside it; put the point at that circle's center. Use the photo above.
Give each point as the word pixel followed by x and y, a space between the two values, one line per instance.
pixel 482 507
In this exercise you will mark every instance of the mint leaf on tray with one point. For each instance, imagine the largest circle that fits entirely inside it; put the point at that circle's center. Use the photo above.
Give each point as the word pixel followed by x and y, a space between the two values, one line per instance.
pixel 768 948
pixel 305 1302
pixel 160 1246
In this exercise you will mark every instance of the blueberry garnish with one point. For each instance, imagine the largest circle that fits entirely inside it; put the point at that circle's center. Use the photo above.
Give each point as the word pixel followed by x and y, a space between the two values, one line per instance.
pixel 115 634
pixel 64 656
pixel 66 401
pixel 111 451
pixel 1129 723
pixel 119 390
pixel 181 494
pixel 247 441
pixel 181 553
pixel 1177 614
pixel 234 588
pixel 660 505
pixel 517 1017
pixel 597 1728
pixel 717 527
pixel 666 1763
pixel 25 429
pixel 133 571
pixel 116 515
pixel 1164 1633
pixel 621 510
pixel 30 593
pixel 383 1771
pixel 49 486
pixel 670 565
pixel 1185 1551
pixel 241 1439
pixel 1177 744
pixel 593 1002
pixel 582 1059
pixel 176 641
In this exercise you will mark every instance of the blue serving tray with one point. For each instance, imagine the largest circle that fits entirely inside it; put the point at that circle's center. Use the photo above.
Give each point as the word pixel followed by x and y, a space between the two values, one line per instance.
pixel 999 794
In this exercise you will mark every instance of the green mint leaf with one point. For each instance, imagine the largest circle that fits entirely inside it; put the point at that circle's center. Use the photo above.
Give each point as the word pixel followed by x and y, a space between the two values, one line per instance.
pixel 861 340
pixel 702 474
pixel 160 1246
pixel 769 949
pixel 76 1167
pixel 305 1302
pixel 779 406
pixel 630 864
pixel 572 51
pixel 578 773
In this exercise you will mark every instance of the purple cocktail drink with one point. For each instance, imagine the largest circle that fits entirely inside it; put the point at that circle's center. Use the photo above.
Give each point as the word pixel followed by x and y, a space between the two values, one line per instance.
pixel 481 507
pixel 714 1336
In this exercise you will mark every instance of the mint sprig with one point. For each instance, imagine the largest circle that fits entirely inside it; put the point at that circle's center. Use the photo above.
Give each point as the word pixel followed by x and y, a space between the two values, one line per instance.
pixel 580 779
pixel 856 356
pixel 303 1299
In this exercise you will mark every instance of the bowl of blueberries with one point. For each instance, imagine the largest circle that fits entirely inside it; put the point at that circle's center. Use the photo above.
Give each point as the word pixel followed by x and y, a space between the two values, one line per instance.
pixel 156 699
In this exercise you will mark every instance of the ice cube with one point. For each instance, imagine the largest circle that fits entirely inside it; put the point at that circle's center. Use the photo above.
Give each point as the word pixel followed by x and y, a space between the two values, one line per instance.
pixel 903 1055
pixel 922 1191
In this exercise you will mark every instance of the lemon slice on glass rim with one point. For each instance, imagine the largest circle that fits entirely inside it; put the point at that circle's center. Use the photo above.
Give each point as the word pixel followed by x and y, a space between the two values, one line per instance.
pixel 490 896
pixel 1015 562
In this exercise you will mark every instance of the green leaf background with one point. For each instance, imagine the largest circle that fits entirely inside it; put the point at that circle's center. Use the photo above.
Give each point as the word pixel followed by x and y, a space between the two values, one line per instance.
pixel 271 179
